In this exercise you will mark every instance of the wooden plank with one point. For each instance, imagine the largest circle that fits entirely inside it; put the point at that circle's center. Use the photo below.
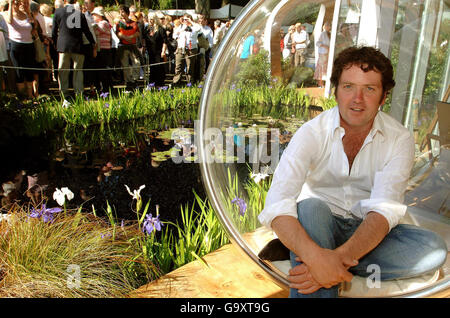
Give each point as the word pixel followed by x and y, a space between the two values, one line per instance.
pixel 228 274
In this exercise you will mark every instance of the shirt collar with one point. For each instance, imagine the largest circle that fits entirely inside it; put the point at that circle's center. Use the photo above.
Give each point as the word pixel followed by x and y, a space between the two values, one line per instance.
pixel 378 125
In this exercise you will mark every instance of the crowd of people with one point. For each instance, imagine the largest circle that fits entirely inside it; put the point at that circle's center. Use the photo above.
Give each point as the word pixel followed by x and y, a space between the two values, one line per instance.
pixel 87 48
pixel 295 43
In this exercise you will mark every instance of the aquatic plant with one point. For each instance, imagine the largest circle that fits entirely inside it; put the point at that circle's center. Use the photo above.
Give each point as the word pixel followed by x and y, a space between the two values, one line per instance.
pixel 49 114
pixel 151 223
pixel 275 100
pixel 164 106
pixel 199 233
pixel 240 203
pixel 47 215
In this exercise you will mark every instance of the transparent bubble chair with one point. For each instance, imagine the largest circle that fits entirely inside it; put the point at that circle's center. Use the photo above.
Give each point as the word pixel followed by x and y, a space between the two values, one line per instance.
pixel 256 95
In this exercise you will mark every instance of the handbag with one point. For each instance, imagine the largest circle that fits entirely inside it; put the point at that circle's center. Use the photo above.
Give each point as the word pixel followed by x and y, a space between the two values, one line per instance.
pixel 40 51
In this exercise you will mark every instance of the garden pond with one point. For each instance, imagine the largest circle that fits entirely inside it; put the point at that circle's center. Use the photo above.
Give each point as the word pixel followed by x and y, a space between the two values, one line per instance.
pixel 96 163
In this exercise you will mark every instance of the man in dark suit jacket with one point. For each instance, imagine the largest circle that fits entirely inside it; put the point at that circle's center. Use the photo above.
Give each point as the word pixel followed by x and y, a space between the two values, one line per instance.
pixel 68 26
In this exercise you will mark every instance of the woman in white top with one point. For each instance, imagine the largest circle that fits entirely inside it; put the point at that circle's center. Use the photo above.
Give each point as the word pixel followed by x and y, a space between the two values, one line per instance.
pixel 323 45
pixel 288 44
pixel 46 12
pixel 52 55
pixel 22 52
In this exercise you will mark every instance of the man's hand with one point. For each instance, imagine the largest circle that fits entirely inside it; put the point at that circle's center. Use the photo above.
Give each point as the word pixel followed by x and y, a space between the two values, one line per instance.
pixel 324 268
pixel 301 279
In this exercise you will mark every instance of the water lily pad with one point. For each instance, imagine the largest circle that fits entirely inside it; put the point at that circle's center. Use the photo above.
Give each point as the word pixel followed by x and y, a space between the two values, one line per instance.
pixel 164 155
pixel 173 132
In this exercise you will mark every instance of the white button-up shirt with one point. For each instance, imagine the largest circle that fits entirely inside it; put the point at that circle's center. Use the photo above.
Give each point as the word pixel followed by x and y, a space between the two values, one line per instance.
pixel 187 40
pixel 300 37
pixel 314 165
pixel 208 33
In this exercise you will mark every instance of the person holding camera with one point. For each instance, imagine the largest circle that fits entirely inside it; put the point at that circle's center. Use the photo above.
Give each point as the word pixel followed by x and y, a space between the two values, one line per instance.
pixel 187 50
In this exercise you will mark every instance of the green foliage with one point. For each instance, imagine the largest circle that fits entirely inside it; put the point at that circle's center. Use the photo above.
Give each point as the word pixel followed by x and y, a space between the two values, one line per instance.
pixel 327 102
pixel 255 70
pixel 275 100
pixel 436 65
pixel 253 193
pixel 162 106
pixel 155 109
pixel 306 13
pixel 165 4
pixel 198 233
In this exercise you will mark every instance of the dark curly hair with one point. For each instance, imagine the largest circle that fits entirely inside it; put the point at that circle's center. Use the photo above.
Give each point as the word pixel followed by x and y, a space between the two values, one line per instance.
pixel 125 8
pixel 368 58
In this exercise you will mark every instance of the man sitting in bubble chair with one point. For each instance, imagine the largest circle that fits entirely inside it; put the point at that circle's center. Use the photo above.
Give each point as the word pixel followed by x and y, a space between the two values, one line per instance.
pixel 337 194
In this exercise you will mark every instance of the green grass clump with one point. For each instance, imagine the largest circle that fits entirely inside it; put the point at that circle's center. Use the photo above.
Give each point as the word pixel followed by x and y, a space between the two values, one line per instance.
pixel 76 255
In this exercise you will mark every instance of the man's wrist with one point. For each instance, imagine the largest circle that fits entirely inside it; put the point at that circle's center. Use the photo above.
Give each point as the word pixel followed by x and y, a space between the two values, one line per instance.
pixel 309 253
pixel 344 252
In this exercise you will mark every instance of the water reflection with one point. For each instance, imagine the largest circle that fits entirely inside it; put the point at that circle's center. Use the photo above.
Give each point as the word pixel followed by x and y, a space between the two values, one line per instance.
pixel 96 163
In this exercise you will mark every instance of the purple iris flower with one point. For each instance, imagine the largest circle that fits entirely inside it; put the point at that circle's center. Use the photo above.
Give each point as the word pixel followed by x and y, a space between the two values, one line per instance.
pixel 189 84
pixel 106 105
pixel 151 224
pixel 107 235
pixel 104 95
pixel 47 215
pixel 241 204
pixel 200 86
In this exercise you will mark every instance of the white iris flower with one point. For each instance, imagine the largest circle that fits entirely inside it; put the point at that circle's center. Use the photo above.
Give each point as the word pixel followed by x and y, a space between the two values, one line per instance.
pixel 60 195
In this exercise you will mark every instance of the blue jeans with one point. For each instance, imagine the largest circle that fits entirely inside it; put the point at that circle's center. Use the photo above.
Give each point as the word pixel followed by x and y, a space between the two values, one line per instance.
pixel 407 250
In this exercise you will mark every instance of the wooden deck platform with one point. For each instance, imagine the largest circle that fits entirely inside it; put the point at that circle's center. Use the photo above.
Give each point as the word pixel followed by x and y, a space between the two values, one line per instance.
pixel 228 273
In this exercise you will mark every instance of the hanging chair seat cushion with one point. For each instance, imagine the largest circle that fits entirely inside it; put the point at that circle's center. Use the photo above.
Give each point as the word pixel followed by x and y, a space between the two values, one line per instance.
pixel 359 286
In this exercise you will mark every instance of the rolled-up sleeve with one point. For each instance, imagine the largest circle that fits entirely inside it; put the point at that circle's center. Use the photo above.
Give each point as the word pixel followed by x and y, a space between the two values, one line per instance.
pixel 387 195
pixel 289 177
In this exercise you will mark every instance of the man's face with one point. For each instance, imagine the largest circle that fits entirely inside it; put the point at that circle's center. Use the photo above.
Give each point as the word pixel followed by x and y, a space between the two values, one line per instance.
pixel 123 14
pixel 359 95
pixel 202 20
pixel 90 5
